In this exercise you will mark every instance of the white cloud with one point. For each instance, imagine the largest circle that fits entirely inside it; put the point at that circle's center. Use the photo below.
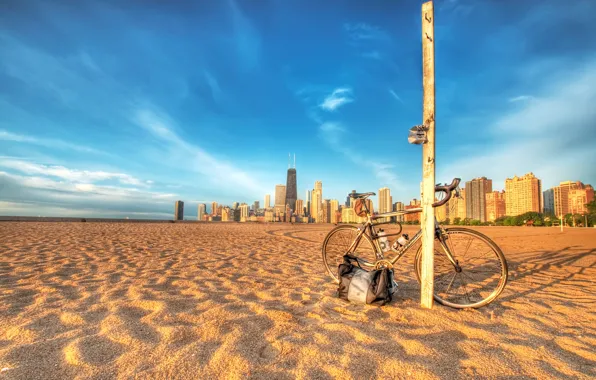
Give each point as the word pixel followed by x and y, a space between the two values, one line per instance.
pixel 216 171
pixel 49 143
pixel 520 98
pixel 337 98
pixel 363 32
pixel 73 175
pixel 553 135
pixel 395 96
pixel 333 135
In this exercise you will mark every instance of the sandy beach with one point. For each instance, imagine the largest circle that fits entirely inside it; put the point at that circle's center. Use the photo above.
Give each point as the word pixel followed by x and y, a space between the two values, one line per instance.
pixel 235 301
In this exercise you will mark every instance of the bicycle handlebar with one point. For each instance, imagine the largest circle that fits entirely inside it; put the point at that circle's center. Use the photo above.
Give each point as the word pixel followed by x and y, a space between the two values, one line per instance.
pixel 447 189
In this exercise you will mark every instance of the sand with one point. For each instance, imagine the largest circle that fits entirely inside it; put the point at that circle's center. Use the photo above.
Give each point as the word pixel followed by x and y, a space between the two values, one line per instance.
pixel 235 301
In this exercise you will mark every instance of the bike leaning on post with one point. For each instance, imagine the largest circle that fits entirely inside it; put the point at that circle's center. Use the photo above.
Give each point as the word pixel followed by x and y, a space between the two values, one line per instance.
pixel 470 270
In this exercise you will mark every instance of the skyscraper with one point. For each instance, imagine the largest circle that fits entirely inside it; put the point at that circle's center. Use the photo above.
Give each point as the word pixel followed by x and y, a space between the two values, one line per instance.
pixel 524 194
pixel 202 210
pixel 280 198
pixel 255 206
pixel 308 201
pixel 317 201
pixel 214 208
pixel 179 210
pixel 579 198
pixel 495 205
pixel 476 190
pixel 548 200
pixel 299 207
pixel 267 201
pixel 384 201
pixel 561 196
pixel 291 191
pixel 334 205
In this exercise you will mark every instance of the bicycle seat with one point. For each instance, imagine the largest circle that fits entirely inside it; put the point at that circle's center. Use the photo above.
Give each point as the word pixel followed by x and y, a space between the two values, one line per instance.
pixel 361 195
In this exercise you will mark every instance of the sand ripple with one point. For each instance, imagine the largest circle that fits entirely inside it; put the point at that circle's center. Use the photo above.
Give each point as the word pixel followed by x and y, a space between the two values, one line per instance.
pixel 119 300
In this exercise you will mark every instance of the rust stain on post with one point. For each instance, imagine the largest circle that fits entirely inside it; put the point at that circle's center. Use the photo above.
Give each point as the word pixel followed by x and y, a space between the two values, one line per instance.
pixel 428 156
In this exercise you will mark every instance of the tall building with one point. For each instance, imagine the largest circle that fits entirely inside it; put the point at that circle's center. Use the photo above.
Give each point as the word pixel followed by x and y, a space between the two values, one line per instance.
pixel 235 205
pixel 548 200
pixel 280 198
pixel 495 205
pixel 201 211
pixel 348 198
pixel 227 214
pixel 384 201
pixel 316 203
pixel 307 202
pixel 255 206
pixel 476 190
pixel 398 206
pixel 243 212
pixel 267 201
pixel 299 207
pixel 179 210
pixel 291 189
pixel 524 194
pixel 561 196
pixel 213 208
pixel 334 205
pixel 579 198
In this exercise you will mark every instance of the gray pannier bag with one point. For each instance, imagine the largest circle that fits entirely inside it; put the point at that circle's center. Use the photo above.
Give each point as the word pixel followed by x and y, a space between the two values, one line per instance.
pixel 375 287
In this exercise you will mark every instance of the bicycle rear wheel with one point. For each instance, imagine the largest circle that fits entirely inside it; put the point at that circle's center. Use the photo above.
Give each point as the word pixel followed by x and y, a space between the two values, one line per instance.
pixel 483 274
pixel 336 245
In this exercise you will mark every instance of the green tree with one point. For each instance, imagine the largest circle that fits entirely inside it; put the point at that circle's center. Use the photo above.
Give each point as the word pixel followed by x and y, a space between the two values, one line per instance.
pixel 457 221
pixel 474 222
pixel 591 207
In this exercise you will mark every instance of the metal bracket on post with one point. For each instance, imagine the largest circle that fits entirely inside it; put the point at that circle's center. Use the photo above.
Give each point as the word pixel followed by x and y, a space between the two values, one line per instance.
pixel 417 134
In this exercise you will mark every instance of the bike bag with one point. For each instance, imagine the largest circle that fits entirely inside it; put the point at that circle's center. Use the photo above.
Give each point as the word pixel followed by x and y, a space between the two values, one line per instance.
pixel 359 286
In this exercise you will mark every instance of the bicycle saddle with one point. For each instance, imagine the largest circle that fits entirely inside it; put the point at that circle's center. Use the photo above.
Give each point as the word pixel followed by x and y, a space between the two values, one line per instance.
pixel 361 195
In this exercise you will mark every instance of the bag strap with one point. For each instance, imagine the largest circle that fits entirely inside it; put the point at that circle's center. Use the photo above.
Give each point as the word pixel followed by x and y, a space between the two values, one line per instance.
pixel 348 258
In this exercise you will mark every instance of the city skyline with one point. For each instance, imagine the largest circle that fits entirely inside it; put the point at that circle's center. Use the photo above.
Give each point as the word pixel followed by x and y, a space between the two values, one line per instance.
pixel 127 121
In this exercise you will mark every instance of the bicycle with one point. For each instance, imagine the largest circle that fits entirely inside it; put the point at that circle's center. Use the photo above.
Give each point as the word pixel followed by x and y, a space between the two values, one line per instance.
pixel 446 260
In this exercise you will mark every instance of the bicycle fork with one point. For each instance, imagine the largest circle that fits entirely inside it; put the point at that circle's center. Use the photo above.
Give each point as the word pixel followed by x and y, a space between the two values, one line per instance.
pixel 442 238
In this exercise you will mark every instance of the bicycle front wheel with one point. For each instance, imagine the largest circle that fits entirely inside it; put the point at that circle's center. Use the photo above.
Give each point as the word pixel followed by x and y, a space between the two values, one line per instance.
pixel 337 243
pixel 483 273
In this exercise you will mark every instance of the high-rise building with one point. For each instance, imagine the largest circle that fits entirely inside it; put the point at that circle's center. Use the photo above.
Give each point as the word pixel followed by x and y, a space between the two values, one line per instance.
pixel 291 189
pixel 179 210
pixel 476 190
pixel 561 196
pixel 307 202
pixel 548 200
pixel 213 208
pixel 384 201
pixel 280 198
pixel 316 203
pixel 495 205
pixel 201 211
pixel 235 205
pixel 243 212
pixel 523 194
pixel 399 206
pixel 579 198
pixel 267 201
pixel 334 205
pixel 227 214
pixel 255 206
pixel 299 207
pixel 348 198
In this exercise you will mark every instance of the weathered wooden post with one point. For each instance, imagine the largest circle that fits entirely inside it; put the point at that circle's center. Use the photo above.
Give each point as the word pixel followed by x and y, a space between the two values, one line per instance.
pixel 428 156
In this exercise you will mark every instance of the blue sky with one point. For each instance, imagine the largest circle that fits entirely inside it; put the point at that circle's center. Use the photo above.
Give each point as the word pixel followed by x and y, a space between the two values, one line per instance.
pixel 119 108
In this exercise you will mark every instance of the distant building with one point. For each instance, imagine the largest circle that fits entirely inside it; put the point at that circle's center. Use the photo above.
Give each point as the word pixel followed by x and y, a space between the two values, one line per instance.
pixel 299 207
pixel 548 200
pixel 201 211
pixel 255 206
pixel 267 201
pixel 317 202
pixel 179 210
pixel 280 198
pixel 579 198
pixel 334 211
pixel 476 190
pixel 291 190
pixel 495 205
pixel 398 206
pixel 213 208
pixel 524 194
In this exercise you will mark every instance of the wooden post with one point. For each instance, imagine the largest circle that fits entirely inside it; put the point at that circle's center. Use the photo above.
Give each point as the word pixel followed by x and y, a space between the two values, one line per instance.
pixel 428 156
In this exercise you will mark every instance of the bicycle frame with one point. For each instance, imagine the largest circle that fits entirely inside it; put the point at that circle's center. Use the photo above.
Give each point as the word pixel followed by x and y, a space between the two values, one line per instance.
pixel 402 250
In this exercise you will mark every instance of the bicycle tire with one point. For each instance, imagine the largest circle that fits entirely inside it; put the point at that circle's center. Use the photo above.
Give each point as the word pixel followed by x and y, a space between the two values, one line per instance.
pixel 332 269
pixel 497 252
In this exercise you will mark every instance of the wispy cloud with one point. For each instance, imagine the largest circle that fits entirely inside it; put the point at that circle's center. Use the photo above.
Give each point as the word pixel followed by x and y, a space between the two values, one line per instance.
pixel 334 135
pixel 48 143
pixel 217 172
pixel 247 39
pixel 337 98
pixel 73 175
pixel 213 85
pixel 520 98
pixel 362 31
pixel 395 96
